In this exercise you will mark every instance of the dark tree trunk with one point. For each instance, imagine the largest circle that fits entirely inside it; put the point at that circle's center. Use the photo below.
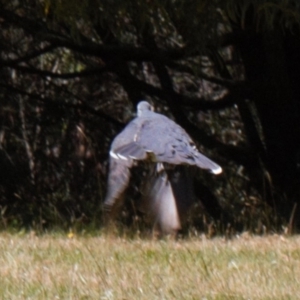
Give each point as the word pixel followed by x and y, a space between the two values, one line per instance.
pixel 267 62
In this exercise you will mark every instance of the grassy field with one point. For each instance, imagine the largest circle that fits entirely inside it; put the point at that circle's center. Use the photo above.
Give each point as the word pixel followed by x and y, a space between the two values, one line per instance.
pixel 58 266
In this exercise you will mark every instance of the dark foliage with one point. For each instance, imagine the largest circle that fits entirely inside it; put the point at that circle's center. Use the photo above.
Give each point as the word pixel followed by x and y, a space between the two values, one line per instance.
pixel 71 73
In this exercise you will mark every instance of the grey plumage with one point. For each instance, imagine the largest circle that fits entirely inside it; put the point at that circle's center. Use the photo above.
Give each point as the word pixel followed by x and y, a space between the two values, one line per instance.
pixel 159 203
pixel 119 172
pixel 155 138
pixel 167 197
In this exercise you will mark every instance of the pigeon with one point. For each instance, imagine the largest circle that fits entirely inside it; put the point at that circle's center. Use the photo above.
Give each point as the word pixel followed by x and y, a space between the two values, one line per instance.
pixel 166 198
pixel 154 138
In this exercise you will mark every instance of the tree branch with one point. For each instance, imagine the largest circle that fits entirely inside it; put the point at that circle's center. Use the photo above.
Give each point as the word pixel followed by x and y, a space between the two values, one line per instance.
pixel 202 104
pixel 84 107
pixel 113 51
pixel 85 73
pixel 34 54
pixel 125 52
pixel 218 80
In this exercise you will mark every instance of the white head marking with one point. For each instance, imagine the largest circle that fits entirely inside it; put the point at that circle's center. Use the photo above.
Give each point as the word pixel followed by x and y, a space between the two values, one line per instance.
pixel 143 107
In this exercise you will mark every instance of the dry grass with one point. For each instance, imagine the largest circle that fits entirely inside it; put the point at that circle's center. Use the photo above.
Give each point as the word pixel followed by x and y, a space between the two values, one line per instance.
pixel 108 267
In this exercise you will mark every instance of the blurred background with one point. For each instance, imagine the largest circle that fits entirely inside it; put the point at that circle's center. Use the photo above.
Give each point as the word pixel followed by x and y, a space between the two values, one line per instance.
pixel 72 72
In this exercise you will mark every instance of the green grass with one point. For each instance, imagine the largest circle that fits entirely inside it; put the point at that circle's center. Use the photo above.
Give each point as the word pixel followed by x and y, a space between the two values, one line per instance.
pixel 57 266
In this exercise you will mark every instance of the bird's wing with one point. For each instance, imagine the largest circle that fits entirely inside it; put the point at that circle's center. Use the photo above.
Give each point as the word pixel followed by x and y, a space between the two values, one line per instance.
pixel 159 203
pixel 118 180
pixel 170 143
pixel 132 150
pixel 204 162
pixel 119 169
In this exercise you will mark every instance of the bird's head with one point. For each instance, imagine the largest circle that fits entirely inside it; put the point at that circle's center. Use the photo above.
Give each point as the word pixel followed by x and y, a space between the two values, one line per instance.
pixel 143 107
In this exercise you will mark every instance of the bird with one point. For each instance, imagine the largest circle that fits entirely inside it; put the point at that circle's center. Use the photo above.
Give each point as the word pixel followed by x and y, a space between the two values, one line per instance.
pixel 156 139
pixel 166 198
